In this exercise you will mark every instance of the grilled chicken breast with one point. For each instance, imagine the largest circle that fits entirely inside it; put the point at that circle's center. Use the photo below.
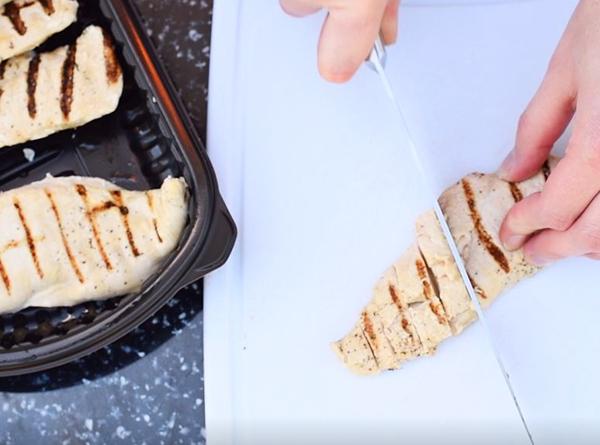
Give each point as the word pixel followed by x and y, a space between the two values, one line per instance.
pixel 69 240
pixel 41 94
pixel 24 24
pixel 421 300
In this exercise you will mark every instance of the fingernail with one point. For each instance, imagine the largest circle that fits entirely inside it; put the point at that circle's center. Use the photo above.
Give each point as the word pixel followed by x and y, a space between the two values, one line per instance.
pixel 513 242
pixel 507 165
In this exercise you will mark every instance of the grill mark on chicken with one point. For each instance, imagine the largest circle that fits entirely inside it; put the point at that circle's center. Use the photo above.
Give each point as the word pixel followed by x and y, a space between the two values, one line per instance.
pixel 3 68
pixel 32 76
pixel 82 192
pixel 113 69
pixel 396 301
pixel 478 290
pixel 66 89
pixel 435 284
pixel 482 233
pixel 546 170
pixel 48 6
pixel 366 338
pixel 29 238
pixel 435 308
pixel 369 330
pixel 12 245
pixel 5 277
pixel 154 220
pixel 65 242
pixel 13 12
pixel 118 197
pixel 515 191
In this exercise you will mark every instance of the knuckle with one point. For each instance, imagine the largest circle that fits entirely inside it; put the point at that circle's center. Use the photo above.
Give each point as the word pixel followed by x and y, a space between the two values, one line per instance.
pixel 590 236
pixel 556 220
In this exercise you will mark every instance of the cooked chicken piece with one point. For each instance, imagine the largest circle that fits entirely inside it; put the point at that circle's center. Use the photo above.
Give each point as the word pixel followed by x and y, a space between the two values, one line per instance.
pixel 474 209
pixel 422 300
pixel 444 273
pixel 25 24
pixel 45 93
pixel 68 240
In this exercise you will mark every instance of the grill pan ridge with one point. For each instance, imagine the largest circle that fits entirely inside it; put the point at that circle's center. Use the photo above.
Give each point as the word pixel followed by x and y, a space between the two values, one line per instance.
pixel 148 138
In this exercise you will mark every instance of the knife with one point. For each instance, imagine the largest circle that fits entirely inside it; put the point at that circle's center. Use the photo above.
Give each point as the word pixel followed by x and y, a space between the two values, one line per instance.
pixel 376 61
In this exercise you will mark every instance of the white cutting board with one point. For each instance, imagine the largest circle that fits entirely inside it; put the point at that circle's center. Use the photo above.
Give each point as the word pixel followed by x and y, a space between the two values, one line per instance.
pixel 325 195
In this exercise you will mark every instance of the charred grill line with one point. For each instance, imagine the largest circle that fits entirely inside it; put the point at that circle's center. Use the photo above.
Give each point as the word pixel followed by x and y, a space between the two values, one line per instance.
pixel 113 69
pixel 368 324
pixel 154 220
pixel 32 76
pixel 515 191
pixel 435 284
pixel 396 301
pixel 3 68
pixel 118 197
pixel 82 192
pixel 48 6
pixel 427 290
pixel 29 238
pixel 370 347
pixel 5 277
pixel 13 12
pixel 66 90
pixel 478 290
pixel 482 233
pixel 65 242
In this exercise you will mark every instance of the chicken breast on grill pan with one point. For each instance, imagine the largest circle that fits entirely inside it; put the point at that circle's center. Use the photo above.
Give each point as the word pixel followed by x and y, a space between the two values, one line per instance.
pixel 421 300
pixel 69 240
pixel 41 94
pixel 25 24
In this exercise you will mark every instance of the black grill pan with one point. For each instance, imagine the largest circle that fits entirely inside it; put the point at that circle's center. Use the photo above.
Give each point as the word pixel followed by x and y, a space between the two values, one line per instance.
pixel 148 138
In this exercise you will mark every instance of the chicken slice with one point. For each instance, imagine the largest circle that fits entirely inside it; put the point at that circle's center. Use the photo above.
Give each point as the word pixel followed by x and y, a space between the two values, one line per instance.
pixel 422 300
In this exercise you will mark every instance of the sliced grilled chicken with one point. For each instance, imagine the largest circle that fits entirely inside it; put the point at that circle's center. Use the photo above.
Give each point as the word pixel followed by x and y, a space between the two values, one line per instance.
pixel 444 273
pixel 45 93
pixel 474 209
pixel 421 300
pixel 68 240
pixel 25 24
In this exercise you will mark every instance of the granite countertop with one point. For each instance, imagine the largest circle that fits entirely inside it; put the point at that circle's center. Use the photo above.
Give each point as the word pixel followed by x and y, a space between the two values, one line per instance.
pixel 148 387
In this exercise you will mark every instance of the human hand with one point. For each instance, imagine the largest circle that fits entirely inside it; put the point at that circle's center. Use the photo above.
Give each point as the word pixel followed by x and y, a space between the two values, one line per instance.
pixel 349 31
pixel 564 219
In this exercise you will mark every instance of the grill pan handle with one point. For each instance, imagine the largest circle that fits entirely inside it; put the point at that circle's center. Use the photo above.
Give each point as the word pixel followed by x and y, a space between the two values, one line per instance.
pixel 219 244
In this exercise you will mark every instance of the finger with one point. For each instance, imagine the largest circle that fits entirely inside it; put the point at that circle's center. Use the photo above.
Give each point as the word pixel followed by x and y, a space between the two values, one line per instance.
pixel 571 186
pixel 389 24
pixel 347 37
pixel 299 8
pixel 543 121
pixel 583 238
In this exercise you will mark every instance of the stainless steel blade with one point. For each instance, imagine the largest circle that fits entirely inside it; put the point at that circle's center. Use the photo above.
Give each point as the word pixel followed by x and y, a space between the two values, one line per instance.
pixel 376 62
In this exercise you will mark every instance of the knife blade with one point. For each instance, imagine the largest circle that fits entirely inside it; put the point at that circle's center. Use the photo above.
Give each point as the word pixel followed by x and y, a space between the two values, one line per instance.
pixel 376 61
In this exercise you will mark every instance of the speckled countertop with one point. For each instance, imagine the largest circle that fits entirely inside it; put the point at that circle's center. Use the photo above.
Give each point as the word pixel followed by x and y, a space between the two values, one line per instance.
pixel 148 387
